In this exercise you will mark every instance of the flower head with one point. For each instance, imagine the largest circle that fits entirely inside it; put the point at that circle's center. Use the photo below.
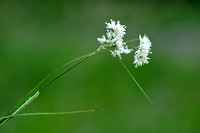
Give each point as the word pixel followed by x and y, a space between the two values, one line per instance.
pixel 115 34
pixel 141 55
pixel 118 29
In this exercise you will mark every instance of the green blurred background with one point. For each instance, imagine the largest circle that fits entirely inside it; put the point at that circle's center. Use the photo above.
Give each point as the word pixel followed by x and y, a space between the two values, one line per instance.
pixel 38 36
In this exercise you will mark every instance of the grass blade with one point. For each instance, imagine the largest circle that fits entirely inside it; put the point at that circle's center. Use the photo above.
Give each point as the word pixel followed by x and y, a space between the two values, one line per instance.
pixel 26 100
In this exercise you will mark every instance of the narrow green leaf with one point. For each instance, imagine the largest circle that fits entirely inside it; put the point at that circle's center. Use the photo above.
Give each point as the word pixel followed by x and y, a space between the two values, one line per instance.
pixel 49 113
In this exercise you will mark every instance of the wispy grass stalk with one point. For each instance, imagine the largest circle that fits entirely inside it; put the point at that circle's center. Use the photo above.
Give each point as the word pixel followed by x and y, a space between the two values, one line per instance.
pixel 113 43
pixel 34 93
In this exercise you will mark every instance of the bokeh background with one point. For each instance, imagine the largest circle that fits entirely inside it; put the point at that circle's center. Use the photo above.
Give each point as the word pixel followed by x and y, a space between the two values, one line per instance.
pixel 38 36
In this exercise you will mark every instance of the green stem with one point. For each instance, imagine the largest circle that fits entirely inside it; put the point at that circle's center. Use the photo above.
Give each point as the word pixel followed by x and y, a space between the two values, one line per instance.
pixel 62 73
pixel 131 40
pixel 49 113
pixel 132 46
pixel 136 82
pixel 31 95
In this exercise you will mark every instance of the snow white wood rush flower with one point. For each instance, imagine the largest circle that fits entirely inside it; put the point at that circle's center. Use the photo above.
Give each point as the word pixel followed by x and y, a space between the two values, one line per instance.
pixel 112 42
pixel 141 55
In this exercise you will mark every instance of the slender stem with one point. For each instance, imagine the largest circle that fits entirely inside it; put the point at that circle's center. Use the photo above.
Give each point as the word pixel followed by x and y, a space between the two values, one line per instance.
pixel 136 82
pixel 132 46
pixel 58 69
pixel 63 73
pixel 131 40
pixel 50 113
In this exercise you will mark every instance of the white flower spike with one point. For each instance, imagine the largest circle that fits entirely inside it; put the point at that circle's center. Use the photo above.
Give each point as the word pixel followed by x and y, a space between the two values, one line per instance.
pixel 114 39
pixel 141 55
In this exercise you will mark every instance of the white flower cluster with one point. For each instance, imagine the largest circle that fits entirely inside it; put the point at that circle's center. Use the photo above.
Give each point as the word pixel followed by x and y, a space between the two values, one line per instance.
pixel 114 37
pixel 115 34
pixel 141 55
